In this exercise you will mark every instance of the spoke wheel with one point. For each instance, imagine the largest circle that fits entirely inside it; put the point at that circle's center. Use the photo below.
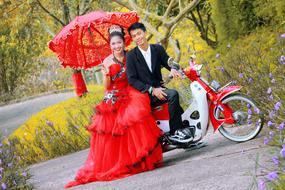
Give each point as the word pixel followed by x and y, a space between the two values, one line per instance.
pixel 248 118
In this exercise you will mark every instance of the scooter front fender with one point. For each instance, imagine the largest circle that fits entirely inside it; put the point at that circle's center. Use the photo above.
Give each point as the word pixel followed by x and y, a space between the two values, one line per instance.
pixel 227 91
pixel 225 109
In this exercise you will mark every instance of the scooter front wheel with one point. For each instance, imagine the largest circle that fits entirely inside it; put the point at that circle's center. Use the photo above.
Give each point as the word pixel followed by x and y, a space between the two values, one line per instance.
pixel 248 118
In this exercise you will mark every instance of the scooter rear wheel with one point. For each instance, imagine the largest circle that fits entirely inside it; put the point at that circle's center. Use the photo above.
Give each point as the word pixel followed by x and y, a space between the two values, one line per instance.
pixel 248 118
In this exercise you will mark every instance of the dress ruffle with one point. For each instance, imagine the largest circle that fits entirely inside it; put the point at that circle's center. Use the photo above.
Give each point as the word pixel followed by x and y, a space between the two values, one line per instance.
pixel 132 107
pixel 124 140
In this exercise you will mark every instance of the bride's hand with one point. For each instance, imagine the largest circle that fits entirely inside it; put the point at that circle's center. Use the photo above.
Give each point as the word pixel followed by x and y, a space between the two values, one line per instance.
pixel 105 71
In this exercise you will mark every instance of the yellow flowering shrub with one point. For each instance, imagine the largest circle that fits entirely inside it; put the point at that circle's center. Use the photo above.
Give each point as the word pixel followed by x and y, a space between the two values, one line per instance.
pixel 58 129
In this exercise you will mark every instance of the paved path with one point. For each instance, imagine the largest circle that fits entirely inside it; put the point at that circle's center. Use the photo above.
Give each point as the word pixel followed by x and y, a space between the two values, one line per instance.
pixel 222 165
pixel 14 115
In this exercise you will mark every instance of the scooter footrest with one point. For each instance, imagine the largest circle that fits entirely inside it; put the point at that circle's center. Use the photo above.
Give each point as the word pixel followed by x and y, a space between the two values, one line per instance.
pixel 195 146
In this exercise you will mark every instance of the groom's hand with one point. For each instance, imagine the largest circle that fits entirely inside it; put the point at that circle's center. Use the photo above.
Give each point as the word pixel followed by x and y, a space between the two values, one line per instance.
pixel 158 92
pixel 175 74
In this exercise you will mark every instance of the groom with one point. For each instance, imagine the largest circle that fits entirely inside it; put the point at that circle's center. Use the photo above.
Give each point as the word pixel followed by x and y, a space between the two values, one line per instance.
pixel 144 64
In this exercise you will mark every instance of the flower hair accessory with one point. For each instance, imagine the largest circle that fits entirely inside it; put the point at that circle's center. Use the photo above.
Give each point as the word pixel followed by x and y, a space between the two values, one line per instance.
pixel 115 28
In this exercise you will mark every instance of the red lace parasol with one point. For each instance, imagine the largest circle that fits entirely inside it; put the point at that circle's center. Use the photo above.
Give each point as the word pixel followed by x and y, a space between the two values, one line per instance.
pixel 84 43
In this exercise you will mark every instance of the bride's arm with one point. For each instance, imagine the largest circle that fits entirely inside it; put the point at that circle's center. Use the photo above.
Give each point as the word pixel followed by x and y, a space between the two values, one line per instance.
pixel 106 74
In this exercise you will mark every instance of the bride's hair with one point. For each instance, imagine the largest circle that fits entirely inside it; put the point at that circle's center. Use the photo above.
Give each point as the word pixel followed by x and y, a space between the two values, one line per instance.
pixel 116 30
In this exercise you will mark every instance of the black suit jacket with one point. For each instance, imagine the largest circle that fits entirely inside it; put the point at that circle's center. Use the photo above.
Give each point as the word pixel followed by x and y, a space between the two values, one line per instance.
pixel 139 75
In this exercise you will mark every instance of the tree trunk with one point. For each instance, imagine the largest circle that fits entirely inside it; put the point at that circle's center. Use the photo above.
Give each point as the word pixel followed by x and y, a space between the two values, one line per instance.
pixel 3 78
pixel 4 84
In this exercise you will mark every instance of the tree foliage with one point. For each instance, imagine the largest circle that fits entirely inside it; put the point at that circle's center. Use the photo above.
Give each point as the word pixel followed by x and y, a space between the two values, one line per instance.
pixel 235 18
pixel 54 14
pixel 201 16
pixel 20 43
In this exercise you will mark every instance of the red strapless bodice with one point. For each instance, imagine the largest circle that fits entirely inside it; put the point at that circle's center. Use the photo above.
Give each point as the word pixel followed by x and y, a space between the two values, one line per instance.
pixel 118 77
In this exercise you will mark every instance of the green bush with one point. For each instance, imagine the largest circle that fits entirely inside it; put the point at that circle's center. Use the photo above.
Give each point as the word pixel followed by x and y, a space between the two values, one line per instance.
pixel 12 174
pixel 257 62
pixel 254 63
pixel 236 18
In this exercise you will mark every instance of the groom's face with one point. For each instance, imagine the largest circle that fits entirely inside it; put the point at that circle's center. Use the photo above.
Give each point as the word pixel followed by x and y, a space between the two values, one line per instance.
pixel 138 36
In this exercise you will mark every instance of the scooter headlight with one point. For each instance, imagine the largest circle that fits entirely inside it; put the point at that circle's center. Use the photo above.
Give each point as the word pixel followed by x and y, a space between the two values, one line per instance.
pixel 198 69
pixel 215 84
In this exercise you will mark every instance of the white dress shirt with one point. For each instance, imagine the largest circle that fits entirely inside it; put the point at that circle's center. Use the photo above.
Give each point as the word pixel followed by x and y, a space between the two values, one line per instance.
pixel 147 56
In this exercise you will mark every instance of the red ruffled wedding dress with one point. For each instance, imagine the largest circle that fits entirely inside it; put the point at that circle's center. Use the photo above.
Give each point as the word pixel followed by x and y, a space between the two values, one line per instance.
pixel 124 135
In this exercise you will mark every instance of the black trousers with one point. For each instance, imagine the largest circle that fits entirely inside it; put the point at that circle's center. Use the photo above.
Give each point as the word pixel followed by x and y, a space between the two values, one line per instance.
pixel 174 108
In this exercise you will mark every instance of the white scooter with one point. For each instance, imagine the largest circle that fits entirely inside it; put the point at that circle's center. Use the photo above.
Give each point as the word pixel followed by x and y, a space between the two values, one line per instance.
pixel 236 116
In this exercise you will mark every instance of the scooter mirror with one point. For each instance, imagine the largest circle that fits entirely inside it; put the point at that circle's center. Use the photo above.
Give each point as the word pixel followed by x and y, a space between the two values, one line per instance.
pixel 172 63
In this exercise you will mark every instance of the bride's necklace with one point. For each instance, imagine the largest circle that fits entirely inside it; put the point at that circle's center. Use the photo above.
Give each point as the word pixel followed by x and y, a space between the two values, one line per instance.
pixel 122 70
pixel 117 60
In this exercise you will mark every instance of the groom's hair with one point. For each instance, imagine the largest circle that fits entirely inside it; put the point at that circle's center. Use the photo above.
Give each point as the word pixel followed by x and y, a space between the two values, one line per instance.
pixel 136 25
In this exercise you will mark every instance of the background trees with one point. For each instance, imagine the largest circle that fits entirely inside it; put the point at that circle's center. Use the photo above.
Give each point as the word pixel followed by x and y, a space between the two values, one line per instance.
pixel 27 26
pixel 20 43
pixel 234 19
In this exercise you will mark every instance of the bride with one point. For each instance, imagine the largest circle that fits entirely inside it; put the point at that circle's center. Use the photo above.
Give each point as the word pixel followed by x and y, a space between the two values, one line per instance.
pixel 124 135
